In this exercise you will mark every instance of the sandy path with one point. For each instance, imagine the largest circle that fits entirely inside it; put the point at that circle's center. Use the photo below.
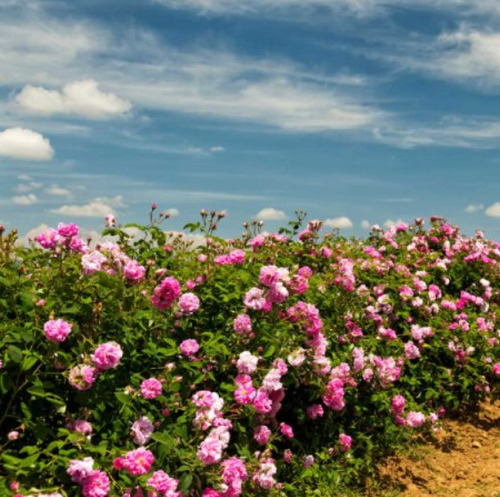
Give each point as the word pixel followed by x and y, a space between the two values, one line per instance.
pixel 464 461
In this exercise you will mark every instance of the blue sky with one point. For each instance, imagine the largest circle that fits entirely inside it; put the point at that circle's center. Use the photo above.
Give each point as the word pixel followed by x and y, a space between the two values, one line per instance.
pixel 356 111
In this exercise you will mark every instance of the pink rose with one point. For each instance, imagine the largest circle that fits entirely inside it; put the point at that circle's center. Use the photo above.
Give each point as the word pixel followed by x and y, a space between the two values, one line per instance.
pixel 57 330
pixel 151 388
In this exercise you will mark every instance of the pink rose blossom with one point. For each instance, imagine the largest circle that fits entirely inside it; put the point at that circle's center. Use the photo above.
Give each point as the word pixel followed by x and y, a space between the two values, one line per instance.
pixel 67 230
pixel 133 271
pixel 164 484
pixel 411 350
pixel 79 470
pixel 189 347
pixel 245 394
pixel 397 404
pixel 247 363
pixel 210 451
pixel 151 388
pixel 93 262
pixel 262 403
pixel 345 442
pixel 80 426
pixel 57 330
pixel 286 430
pixel 254 299
pixel 189 303
pixel 210 492
pixel 142 430
pixel 107 356
pixel 166 293
pixel 242 324
pixel 96 485
pixel 13 435
pixel 315 411
pixel 415 419
pixel 82 377
pixel 297 357
pixel 139 461
pixel 49 239
pixel 264 477
pixel 261 434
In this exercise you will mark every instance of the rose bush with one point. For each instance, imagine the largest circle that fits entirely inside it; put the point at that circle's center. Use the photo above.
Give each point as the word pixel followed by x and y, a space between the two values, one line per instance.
pixel 274 364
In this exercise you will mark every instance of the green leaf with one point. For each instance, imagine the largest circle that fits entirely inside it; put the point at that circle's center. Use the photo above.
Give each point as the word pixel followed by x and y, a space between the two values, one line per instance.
pixel 123 397
pixel 15 353
pixel 164 439
pixel 29 362
pixel 270 351
pixel 185 482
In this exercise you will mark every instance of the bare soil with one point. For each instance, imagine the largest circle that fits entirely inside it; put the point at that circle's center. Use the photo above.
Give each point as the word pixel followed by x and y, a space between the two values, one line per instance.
pixel 463 461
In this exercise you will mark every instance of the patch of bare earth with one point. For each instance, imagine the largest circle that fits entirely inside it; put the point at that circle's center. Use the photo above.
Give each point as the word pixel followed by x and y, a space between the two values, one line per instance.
pixel 463 461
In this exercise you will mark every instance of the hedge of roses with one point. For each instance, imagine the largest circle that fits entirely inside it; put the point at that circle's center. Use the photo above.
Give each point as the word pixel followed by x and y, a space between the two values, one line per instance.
pixel 276 364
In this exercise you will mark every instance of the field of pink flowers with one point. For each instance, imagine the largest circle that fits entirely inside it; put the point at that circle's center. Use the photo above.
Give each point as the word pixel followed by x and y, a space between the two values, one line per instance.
pixel 282 364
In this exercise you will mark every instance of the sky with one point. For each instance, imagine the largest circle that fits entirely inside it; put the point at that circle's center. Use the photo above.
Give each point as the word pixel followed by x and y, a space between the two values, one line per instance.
pixel 358 112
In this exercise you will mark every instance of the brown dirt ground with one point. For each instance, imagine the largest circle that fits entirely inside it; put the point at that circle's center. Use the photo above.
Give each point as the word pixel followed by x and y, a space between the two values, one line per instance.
pixel 463 461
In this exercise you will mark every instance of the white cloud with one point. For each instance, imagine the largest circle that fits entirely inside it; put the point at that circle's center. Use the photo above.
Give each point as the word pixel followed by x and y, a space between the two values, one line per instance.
pixel 24 144
pixel 389 223
pixel 472 208
pixel 258 6
pixel 271 214
pixel 469 54
pixel 28 199
pixel 172 212
pixel 222 85
pixel 338 222
pixel 116 201
pixel 217 149
pixel 493 210
pixel 365 224
pixel 27 187
pixel 94 208
pixel 57 191
pixel 81 98
pixel 141 68
pixel 30 235
pixel 450 132
pixel 464 55
pixel 195 238
pixel 290 8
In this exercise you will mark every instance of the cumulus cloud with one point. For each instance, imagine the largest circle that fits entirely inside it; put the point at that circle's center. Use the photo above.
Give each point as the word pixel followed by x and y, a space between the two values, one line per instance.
pixel 30 235
pixel 116 201
pixel 470 54
pixel 195 238
pixel 28 199
pixel 25 144
pixel 338 222
pixel 365 224
pixel 172 212
pixel 271 214
pixel 94 208
pixel 389 223
pixel 27 187
pixel 472 208
pixel 493 210
pixel 57 191
pixel 81 98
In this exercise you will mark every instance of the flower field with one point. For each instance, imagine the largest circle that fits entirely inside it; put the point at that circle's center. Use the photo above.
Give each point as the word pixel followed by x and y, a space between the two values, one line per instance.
pixel 282 364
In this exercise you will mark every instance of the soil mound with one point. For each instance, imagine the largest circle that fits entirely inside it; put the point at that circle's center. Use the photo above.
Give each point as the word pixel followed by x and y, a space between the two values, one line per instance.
pixel 463 461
